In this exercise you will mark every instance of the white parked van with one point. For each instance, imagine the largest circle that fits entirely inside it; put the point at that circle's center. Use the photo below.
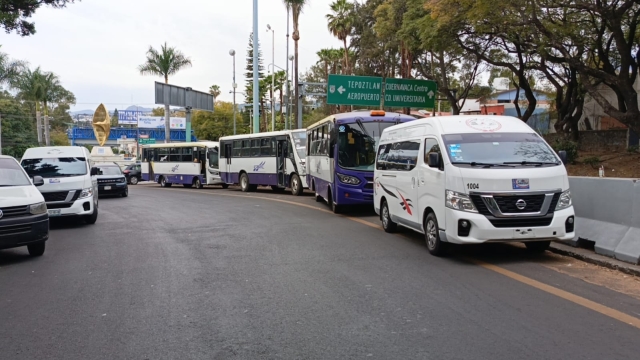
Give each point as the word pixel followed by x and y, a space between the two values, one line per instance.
pixel 470 180
pixel 70 187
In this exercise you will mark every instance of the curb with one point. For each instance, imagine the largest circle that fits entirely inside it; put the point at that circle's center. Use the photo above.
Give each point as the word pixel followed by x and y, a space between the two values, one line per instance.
pixel 595 259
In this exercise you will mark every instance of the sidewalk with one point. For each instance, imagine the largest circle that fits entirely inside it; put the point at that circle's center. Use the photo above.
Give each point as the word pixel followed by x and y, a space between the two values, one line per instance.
pixel 591 257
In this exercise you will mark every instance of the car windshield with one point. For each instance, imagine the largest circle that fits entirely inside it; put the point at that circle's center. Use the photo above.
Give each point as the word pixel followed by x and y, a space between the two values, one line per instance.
pixel 357 144
pixel 300 143
pixel 55 167
pixel 524 149
pixel 110 170
pixel 11 174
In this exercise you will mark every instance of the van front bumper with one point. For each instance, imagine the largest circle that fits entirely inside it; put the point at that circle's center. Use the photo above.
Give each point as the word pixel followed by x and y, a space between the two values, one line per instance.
pixel 23 230
pixel 483 230
pixel 82 206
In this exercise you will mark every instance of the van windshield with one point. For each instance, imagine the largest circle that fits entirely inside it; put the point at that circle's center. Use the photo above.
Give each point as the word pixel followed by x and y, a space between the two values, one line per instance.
pixel 11 174
pixel 55 167
pixel 524 149
pixel 357 144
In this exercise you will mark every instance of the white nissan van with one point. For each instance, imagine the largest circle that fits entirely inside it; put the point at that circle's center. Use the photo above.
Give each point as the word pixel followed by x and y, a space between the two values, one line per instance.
pixel 70 187
pixel 472 179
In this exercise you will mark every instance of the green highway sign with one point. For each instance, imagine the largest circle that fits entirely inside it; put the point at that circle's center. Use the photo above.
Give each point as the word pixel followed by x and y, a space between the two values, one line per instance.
pixel 354 90
pixel 410 93
pixel 146 141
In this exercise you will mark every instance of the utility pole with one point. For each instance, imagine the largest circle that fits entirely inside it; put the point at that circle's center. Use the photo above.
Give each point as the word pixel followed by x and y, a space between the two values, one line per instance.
pixel 288 120
pixel 47 135
pixel 256 77
pixel 273 78
pixel 234 85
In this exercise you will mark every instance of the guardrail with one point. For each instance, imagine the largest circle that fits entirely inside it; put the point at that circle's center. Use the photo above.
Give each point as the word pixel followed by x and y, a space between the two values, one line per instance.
pixel 608 213
pixel 129 133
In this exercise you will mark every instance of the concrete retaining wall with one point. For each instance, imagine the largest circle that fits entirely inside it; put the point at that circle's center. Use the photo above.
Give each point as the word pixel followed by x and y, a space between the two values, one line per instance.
pixel 608 213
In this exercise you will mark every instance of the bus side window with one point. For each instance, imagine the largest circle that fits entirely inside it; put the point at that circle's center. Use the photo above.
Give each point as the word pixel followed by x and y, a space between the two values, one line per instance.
pixel 265 147
pixel 187 154
pixel 237 148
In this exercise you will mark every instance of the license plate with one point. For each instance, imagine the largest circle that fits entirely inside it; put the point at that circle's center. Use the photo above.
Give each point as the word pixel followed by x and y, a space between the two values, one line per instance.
pixel 54 212
pixel 107 187
pixel 524 233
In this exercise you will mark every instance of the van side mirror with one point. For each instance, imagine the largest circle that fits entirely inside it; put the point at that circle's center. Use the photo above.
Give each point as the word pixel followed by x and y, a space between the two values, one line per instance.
pixel 38 180
pixel 95 171
pixel 563 156
pixel 434 160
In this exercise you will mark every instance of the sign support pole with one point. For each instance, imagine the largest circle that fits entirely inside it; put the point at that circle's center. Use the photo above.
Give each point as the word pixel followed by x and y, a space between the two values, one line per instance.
pixel 188 126
pixel 256 79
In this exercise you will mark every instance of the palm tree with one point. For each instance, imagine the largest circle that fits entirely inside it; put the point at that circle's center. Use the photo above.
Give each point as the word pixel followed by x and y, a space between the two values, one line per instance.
pixel 296 7
pixel 51 92
pixel 10 69
pixel 324 57
pixel 168 61
pixel 30 89
pixel 340 24
pixel 215 91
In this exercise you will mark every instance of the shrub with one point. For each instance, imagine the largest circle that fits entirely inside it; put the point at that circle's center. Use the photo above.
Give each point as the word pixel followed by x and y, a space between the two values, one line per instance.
pixel 594 161
pixel 571 147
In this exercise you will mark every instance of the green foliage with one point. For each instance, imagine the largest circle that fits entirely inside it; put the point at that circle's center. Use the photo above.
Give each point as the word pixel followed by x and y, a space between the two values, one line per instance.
pixel 18 131
pixel 159 111
pixel 213 125
pixel 593 161
pixel 633 149
pixel 14 14
pixel 571 147
pixel 114 118
pixel 248 90
pixel 167 61
pixel 59 138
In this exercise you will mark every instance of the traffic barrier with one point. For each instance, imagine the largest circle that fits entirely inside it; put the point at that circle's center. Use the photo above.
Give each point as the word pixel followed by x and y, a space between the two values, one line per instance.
pixel 608 213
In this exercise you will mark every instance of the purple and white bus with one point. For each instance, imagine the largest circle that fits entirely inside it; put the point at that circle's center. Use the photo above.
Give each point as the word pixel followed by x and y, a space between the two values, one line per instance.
pixel 275 159
pixel 341 155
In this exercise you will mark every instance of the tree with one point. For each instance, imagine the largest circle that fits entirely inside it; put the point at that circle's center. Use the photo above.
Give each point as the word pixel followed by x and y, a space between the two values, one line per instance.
pixel 30 89
pixel 114 118
pixel 213 125
pixel 340 24
pixel 167 61
pixel 215 91
pixel 10 69
pixel 14 14
pixel 296 7
pixel 280 83
pixel 18 133
pixel 248 92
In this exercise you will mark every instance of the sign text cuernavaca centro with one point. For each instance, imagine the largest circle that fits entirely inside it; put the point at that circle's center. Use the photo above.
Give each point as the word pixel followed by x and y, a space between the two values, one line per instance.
pixel 367 91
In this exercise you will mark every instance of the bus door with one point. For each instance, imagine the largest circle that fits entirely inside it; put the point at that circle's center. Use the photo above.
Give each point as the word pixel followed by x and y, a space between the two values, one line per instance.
pixel 227 156
pixel 213 173
pixel 281 160
pixel 150 157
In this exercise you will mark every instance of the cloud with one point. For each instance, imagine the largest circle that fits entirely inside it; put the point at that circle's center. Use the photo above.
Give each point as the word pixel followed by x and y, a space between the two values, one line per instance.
pixel 95 46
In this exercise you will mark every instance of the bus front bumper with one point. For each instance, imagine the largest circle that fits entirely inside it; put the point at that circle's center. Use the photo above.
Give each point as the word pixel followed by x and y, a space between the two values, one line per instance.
pixel 351 195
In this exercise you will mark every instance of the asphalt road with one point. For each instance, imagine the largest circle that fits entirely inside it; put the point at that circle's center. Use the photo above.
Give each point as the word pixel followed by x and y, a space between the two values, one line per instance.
pixel 214 274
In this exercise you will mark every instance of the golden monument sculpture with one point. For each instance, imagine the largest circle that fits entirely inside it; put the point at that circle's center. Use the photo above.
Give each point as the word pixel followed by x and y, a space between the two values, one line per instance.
pixel 101 124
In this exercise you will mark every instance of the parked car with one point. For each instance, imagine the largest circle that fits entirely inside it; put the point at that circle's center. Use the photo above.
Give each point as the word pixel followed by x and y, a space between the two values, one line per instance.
pixel 70 187
pixel 111 180
pixel 133 173
pixel 23 213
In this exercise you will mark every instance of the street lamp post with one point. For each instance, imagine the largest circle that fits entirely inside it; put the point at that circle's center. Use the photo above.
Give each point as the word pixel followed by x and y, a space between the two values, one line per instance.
pixel 286 77
pixel 256 79
pixel 291 58
pixel 234 85
pixel 273 77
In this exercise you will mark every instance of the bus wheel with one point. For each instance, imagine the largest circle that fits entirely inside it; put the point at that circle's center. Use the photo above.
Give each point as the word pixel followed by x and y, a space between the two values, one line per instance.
pixel 164 183
pixel 332 205
pixel 387 224
pixel 197 183
pixel 244 183
pixel 296 187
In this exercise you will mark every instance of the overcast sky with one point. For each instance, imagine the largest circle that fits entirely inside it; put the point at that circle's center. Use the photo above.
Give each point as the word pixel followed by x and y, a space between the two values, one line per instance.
pixel 95 46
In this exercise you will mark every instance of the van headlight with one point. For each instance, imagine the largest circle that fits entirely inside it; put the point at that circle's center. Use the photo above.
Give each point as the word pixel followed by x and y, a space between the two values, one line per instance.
pixel 37 209
pixel 349 180
pixel 86 193
pixel 564 201
pixel 458 201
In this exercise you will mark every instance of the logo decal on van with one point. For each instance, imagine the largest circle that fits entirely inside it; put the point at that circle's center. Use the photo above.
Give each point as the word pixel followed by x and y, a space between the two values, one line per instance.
pixel 484 125
pixel 406 203
pixel 520 184
pixel 54 181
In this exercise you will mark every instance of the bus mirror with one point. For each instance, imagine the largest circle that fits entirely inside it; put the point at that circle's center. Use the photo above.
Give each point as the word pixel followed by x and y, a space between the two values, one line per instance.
pixel 434 160
pixel 563 156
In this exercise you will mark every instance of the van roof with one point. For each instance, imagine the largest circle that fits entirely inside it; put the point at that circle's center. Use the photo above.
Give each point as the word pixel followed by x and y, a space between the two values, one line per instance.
pixel 55 151
pixel 460 124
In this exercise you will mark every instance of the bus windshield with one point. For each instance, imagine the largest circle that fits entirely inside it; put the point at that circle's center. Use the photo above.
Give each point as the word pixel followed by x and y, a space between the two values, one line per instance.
pixel 300 143
pixel 357 144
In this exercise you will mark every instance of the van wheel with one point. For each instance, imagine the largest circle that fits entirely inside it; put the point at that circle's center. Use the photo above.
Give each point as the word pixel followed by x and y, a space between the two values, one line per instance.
pixel 432 236
pixel 537 246
pixel 337 209
pixel 244 183
pixel 91 219
pixel 387 224
pixel 36 249
pixel 197 183
pixel 296 186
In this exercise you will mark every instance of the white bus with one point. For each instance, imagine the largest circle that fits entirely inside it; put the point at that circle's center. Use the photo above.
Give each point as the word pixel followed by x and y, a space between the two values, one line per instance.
pixel 192 164
pixel 275 159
